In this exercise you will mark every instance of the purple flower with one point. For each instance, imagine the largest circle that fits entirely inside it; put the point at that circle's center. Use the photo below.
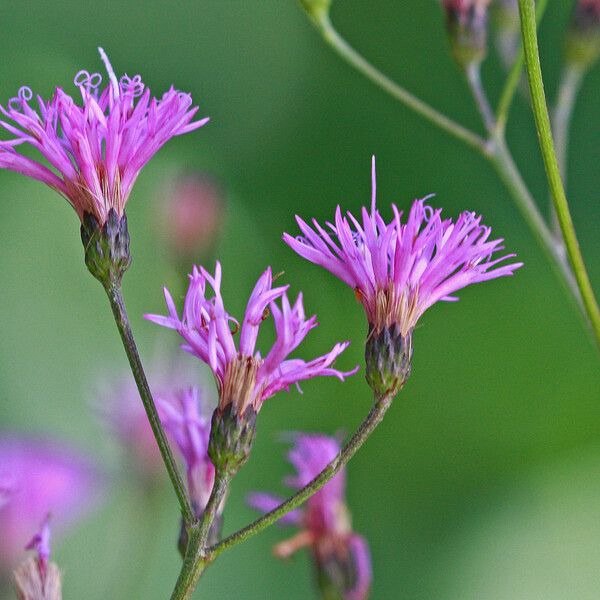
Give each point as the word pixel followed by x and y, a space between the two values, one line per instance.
pixel 187 421
pixel 341 556
pixel 244 378
pixel 398 270
pixel 92 152
pixel 42 478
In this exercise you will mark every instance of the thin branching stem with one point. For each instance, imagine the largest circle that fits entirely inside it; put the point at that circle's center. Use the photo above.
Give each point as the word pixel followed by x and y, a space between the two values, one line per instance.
pixel 117 303
pixel 351 56
pixel 352 446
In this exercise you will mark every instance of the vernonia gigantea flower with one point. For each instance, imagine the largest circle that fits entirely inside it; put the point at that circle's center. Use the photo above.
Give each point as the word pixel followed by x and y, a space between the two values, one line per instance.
pixel 245 379
pixel 400 269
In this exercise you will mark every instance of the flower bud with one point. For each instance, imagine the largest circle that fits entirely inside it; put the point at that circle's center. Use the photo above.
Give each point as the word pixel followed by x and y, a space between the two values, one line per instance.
pixel 388 358
pixel 231 438
pixel 192 217
pixel 583 37
pixel 34 582
pixel 508 30
pixel 106 247
pixel 343 568
pixel 317 9
pixel 467 24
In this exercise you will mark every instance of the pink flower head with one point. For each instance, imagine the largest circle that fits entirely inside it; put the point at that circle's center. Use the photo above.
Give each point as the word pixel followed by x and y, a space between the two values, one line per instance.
pixel 193 214
pixel 399 269
pixel 464 7
pixel 342 556
pixel 187 422
pixel 244 378
pixel 42 478
pixel 92 152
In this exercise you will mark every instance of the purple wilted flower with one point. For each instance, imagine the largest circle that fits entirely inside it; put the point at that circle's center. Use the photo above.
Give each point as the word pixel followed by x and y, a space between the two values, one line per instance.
pixel 42 477
pixel 244 378
pixel 187 422
pixel 38 578
pixel 398 270
pixel 341 556
pixel 92 152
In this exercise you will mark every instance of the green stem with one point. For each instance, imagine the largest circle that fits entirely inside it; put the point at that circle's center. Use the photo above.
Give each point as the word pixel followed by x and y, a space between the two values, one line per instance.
pixel 117 303
pixel 361 435
pixel 514 76
pixel 353 58
pixel 563 111
pixel 473 75
pixel 561 206
pixel 505 166
pixel 196 558
pixel 568 89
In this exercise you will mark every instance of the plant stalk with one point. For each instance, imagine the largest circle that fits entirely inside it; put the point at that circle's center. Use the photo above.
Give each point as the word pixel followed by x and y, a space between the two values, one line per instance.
pixel 196 558
pixel 561 206
pixel 361 435
pixel 117 303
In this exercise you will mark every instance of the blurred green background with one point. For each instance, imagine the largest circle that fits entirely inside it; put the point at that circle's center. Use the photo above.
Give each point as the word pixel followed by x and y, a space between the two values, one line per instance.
pixel 484 480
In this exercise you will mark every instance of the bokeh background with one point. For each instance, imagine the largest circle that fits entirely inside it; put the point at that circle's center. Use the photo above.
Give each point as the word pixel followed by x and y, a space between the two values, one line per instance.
pixel 484 480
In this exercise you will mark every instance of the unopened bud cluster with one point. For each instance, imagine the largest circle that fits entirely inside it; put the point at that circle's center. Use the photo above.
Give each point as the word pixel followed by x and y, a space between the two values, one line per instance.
pixel 106 247
pixel 317 9
pixel 583 37
pixel 467 24
pixel 508 30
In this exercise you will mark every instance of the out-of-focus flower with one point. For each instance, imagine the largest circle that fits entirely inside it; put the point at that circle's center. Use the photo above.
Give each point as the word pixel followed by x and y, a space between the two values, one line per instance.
pixel 187 421
pixel 92 152
pixel 398 270
pixel 118 404
pixel 244 378
pixel 192 215
pixel 583 37
pixel 341 556
pixel 467 23
pixel 37 578
pixel 42 477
